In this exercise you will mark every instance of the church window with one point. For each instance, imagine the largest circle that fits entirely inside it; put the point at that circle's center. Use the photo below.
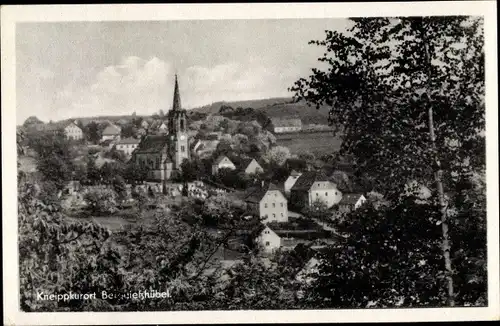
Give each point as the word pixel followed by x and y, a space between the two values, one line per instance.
pixel 182 124
pixel 183 149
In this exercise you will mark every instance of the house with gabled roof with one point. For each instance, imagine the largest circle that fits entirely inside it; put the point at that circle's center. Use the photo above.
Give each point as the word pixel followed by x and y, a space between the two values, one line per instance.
pixel 222 162
pixel 290 181
pixel 314 186
pixel 280 125
pixel 250 166
pixel 267 202
pixel 112 132
pixel 351 202
pixel 127 145
pixel 289 235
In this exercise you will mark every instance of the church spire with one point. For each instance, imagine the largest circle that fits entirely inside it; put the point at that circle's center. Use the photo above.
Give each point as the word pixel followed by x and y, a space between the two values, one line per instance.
pixel 176 106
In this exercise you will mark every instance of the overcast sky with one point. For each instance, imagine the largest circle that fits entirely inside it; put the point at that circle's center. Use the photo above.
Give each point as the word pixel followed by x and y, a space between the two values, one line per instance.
pixel 70 69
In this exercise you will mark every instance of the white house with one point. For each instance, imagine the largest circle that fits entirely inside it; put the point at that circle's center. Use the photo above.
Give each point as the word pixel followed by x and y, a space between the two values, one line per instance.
pixel 72 131
pixel 223 162
pixel 251 166
pixel 351 202
pixel 127 145
pixel 311 187
pixel 163 129
pixel 291 181
pixel 111 132
pixel 269 203
pixel 144 124
pixel 286 125
pixel 268 240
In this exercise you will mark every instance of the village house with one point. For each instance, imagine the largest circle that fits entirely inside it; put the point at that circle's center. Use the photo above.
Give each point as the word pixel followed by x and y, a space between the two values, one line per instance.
pixel 222 162
pixel 72 131
pixel 313 186
pixel 251 166
pixel 279 125
pixel 203 147
pixel 351 202
pixel 161 155
pixel 127 145
pixel 111 132
pixel 158 127
pixel 286 236
pixel 144 124
pixel 290 181
pixel 268 203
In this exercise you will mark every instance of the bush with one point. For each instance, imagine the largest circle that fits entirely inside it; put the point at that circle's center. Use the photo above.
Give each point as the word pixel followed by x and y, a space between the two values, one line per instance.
pixel 101 201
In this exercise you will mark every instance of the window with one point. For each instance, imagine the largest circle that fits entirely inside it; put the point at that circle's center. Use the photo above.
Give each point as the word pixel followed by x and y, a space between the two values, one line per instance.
pixel 265 205
pixel 266 232
pixel 274 215
pixel 281 214
pixel 281 204
pixel 317 194
pixel 326 193
pixel 336 193
pixel 183 149
pixel 267 243
pixel 274 205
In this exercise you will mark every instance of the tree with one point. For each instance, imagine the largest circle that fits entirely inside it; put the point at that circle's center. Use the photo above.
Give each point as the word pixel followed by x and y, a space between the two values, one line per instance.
pixel 129 131
pixel 409 110
pixel 92 132
pixel 101 201
pixel 277 155
pixel 57 253
pixel 31 121
pixel 134 173
pixel 54 159
pixel 93 172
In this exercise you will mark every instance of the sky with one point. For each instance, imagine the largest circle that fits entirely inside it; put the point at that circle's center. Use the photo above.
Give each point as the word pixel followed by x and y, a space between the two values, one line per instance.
pixel 77 69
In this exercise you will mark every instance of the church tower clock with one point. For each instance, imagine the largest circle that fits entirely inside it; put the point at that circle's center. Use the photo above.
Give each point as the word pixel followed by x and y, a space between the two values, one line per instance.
pixel 177 126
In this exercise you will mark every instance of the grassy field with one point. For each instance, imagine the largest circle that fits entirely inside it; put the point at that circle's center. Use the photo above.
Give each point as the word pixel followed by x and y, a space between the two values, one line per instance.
pixel 318 143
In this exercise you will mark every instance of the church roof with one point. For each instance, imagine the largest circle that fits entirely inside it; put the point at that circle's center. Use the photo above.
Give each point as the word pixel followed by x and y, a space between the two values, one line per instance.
pixel 152 144
pixel 176 106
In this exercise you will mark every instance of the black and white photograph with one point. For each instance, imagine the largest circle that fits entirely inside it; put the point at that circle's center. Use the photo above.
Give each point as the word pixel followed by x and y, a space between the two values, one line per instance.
pixel 250 162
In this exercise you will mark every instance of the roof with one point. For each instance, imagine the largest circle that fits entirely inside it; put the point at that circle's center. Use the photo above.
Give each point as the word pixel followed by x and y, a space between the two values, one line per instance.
pixel 255 195
pixel 157 124
pixel 279 122
pixel 129 141
pixel 152 144
pixel 176 105
pixel 111 130
pixel 220 159
pixel 307 179
pixel 349 199
pixel 246 162
pixel 295 173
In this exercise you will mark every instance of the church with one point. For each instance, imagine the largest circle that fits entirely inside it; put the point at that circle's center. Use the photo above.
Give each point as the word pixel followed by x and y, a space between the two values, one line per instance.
pixel 162 155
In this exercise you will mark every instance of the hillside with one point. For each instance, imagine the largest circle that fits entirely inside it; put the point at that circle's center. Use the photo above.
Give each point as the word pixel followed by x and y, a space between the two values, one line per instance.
pixel 280 107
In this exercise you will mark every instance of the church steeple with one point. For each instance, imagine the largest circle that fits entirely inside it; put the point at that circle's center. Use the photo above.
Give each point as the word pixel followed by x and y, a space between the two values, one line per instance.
pixel 176 106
